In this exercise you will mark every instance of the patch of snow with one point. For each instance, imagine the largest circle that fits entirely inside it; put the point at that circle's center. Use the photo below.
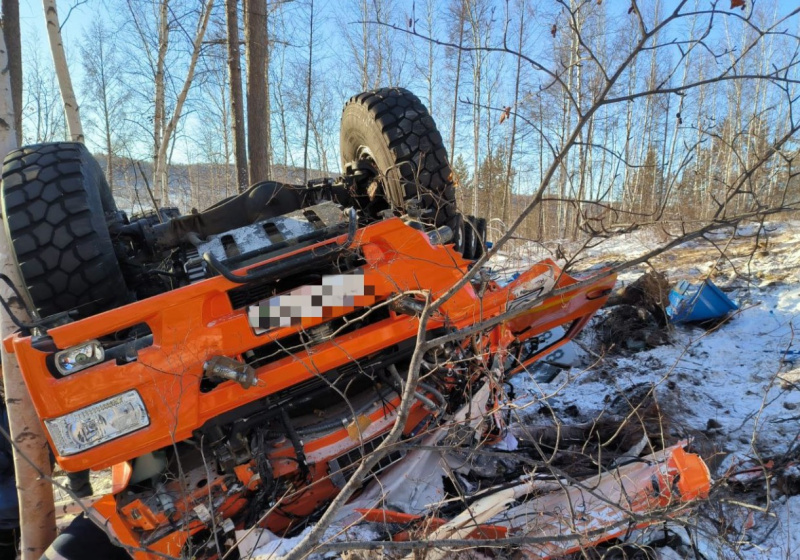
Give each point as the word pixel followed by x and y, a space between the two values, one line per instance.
pixel 724 385
pixel 261 544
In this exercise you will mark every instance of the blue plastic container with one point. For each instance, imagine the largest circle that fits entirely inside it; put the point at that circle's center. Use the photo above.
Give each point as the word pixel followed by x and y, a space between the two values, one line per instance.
pixel 688 303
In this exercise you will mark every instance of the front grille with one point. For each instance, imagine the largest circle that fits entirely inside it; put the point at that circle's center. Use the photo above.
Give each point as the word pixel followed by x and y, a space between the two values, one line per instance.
pixel 263 411
pixel 301 340
pixel 343 466
pixel 253 292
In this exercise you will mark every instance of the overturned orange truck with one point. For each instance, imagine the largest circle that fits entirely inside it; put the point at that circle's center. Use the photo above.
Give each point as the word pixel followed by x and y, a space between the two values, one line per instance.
pixel 234 365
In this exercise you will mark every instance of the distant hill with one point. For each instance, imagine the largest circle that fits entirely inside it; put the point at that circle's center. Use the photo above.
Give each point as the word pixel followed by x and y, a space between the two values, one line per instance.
pixel 196 185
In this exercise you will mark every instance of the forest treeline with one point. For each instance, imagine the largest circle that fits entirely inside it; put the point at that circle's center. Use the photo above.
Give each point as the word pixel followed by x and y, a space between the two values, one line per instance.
pixel 669 142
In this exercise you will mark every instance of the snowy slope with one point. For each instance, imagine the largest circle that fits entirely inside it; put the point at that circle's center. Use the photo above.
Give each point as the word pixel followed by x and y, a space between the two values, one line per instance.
pixel 723 387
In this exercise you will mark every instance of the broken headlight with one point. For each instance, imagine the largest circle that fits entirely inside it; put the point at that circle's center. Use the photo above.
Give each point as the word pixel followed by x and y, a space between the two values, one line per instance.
pixel 79 357
pixel 98 423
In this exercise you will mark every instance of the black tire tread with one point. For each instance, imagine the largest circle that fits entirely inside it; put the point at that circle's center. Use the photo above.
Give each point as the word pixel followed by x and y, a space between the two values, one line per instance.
pixel 54 199
pixel 417 147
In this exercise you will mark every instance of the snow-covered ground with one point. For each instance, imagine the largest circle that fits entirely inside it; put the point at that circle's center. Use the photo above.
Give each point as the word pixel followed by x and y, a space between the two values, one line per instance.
pixel 734 389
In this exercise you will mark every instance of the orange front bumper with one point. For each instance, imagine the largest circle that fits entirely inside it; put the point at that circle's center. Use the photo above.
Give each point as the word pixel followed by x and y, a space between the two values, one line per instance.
pixel 194 323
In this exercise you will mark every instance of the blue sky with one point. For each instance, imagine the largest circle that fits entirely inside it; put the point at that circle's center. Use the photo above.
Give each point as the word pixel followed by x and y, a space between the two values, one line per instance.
pixel 31 16
pixel 332 62
pixel 76 23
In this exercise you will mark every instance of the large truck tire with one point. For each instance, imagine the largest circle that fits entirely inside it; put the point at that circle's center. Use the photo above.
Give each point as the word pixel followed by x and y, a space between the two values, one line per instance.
pixel 55 199
pixel 392 129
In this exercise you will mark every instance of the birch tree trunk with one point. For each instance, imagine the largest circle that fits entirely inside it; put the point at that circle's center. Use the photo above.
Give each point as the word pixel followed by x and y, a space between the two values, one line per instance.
pixel 578 31
pixel 102 48
pixel 627 188
pixel 566 125
pixel 492 67
pixel 37 512
pixel 226 143
pixel 237 102
pixel 161 158
pixel 459 52
pixel 159 168
pixel 71 109
pixel 430 11
pixel 507 187
pixel 282 110
pixel 476 21
pixel 267 98
pixel 109 144
pixel 308 91
pixel 376 47
pixel 365 64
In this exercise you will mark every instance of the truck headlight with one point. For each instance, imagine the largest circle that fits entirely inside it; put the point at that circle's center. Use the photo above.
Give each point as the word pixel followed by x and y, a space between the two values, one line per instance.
pixel 79 357
pixel 98 423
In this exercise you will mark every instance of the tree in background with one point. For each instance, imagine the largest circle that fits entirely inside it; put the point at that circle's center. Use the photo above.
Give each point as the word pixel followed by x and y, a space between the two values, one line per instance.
pixel 467 46
pixel 13 43
pixel 71 108
pixel 104 92
pixel 237 101
pixel 258 123
pixel 308 87
pixel 42 109
pixel 212 171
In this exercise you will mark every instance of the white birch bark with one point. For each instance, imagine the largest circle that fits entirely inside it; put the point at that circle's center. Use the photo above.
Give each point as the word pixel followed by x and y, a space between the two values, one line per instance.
pixel 71 109
pixel 159 167
pixel 475 22
pixel 169 129
pixel 37 513
pixel 507 193
pixel 308 89
pixel 454 119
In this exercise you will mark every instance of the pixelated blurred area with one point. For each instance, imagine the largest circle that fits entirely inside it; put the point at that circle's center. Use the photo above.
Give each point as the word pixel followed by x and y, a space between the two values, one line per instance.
pixel 306 302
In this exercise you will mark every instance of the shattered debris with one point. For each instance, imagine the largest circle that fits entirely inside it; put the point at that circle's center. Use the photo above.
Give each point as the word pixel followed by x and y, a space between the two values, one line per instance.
pixel 608 503
pixel 550 516
pixel 790 379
